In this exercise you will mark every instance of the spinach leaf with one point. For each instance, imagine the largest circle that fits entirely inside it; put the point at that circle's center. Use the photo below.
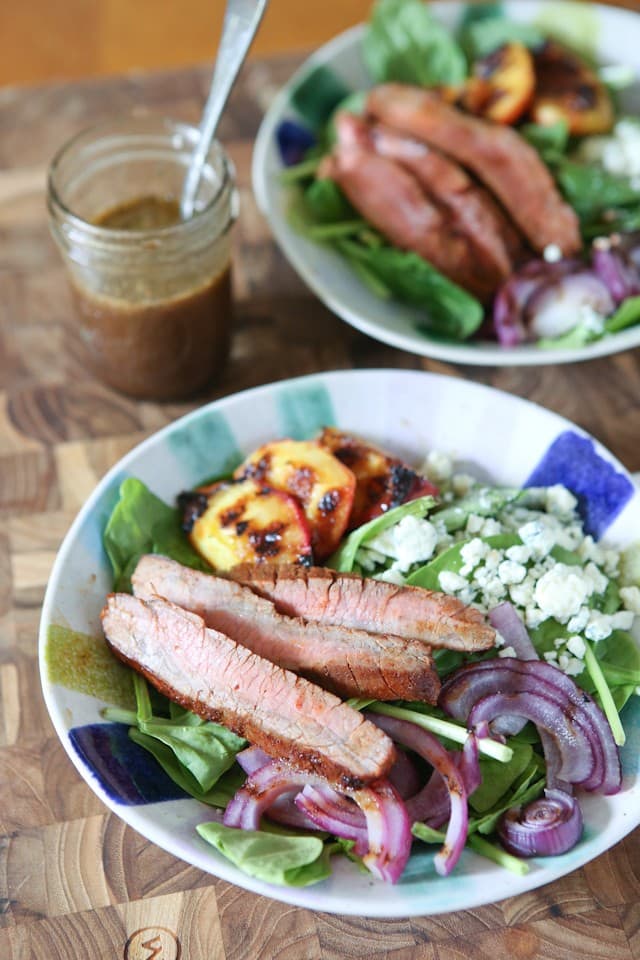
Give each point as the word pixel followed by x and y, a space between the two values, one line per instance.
pixel 481 501
pixel 404 42
pixel 481 37
pixel 283 859
pixel 591 190
pixel 449 310
pixel 451 560
pixel 528 790
pixel 194 752
pixel 327 203
pixel 344 558
pixel 498 778
pixel 550 140
pixel 317 95
pixel 627 315
pixel 218 795
pixel 142 523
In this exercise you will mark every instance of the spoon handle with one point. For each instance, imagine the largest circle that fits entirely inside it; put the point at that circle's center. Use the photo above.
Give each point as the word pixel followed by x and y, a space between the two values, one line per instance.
pixel 241 21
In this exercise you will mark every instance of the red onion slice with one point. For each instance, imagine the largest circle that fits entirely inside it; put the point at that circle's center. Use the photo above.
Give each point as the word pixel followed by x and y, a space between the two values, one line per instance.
pixel 388 829
pixel 544 828
pixel 252 758
pixel 260 792
pixel 427 746
pixel 509 308
pixel 577 755
pixel 615 268
pixel 471 683
pixel 506 620
pixel 332 812
pixel 403 775
pixel 555 308
pixel 432 804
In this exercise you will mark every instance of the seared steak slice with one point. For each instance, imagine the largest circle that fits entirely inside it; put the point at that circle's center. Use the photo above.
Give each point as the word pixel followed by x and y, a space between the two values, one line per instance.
pixel 351 662
pixel 392 200
pixel 343 598
pixel 496 154
pixel 472 208
pixel 285 715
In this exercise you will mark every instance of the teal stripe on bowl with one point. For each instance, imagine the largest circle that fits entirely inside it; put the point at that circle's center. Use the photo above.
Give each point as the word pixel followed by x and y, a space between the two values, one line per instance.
pixel 304 410
pixel 207 449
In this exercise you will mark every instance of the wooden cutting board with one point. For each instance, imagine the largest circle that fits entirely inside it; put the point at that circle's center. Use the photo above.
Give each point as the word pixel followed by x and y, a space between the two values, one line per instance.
pixel 75 882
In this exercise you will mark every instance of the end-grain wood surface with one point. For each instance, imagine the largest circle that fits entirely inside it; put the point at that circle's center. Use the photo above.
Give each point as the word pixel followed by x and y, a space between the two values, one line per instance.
pixel 75 882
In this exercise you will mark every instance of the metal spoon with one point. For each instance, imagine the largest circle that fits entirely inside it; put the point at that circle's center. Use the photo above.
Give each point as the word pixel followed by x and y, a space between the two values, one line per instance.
pixel 241 21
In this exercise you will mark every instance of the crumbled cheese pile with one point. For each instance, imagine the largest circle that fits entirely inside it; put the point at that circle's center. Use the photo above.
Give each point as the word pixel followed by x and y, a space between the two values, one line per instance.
pixel 618 153
pixel 539 584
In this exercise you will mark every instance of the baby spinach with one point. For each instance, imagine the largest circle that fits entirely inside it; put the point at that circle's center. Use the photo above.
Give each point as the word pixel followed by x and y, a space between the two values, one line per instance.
pixel 344 558
pixel 627 315
pixel 404 42
pixel 317 95
pixel 498 778
pixel 449 311
pixel 284 859
pixel 481 37
pixel 481 501
pixel 142 523
pixel 194 752
pixel 452 561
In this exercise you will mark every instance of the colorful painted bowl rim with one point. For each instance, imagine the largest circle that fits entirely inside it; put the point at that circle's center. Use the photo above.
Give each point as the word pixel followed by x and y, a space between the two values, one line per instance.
pixel 331 896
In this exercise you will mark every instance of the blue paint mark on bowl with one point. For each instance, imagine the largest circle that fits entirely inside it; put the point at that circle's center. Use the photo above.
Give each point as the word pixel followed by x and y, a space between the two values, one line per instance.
pixel 126 772
pixel 293 142
pixel 602 491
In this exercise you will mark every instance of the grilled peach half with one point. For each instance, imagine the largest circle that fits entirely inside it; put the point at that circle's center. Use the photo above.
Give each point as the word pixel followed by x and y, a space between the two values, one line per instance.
pixel 246 522
pixel 503 84
pixel 382 481
pixel 568 90
pixel 309 472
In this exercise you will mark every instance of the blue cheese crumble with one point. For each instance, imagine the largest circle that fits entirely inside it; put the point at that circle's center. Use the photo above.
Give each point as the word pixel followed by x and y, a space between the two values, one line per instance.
pixel 530 550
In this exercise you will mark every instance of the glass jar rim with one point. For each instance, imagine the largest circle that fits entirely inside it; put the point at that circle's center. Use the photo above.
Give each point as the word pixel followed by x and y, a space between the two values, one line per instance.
pixel 58 206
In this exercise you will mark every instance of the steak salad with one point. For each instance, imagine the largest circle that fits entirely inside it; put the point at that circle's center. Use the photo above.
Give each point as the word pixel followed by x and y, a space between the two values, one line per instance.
pixel 346 655
pixel 488 176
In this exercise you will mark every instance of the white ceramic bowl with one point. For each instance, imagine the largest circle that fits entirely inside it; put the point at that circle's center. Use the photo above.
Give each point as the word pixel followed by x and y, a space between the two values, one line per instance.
pixel 616 36
pixel 410 413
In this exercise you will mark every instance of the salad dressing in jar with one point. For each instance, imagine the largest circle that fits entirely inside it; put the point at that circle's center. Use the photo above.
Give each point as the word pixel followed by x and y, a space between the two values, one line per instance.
pixel 152 291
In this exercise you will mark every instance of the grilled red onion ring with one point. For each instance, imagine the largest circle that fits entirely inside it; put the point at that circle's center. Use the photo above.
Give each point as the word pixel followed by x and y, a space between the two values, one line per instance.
pixel 506 620
pixel 388 826
pixel 544 694
pixel 427 746
pixel 548 826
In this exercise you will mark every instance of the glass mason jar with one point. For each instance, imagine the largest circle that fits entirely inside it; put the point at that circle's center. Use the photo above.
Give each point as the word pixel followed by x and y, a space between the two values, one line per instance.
pixel 153 292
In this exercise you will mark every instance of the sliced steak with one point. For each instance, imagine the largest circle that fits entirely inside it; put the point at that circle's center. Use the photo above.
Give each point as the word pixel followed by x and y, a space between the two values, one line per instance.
pixel 350 662
pixel 342 598
pixel 496 154
pixel 472 208
pixel 392 200
pixel 284 715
